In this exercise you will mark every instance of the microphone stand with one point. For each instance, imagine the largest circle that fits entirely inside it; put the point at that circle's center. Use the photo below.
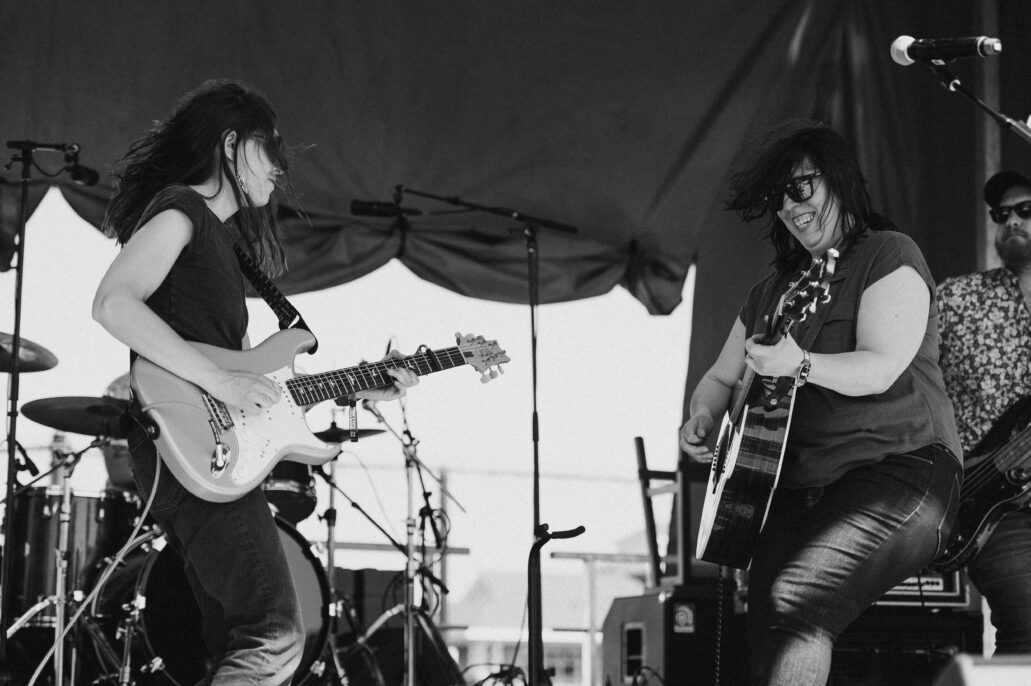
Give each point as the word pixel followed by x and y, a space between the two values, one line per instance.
pixel 24 150
pixel 953 85
pixel 25 157
pixel 411 569
pixel 541 534
pixel 412 465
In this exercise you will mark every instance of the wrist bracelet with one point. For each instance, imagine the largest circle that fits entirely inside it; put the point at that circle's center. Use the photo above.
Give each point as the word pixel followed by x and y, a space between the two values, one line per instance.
pixel 803 371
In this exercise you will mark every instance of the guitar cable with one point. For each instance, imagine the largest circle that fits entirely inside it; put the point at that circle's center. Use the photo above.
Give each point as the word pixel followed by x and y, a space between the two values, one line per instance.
pixel 720 589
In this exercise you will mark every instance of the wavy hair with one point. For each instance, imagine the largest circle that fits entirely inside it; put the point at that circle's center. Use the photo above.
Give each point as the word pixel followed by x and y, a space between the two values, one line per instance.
pixel 756 191
pixel 189 149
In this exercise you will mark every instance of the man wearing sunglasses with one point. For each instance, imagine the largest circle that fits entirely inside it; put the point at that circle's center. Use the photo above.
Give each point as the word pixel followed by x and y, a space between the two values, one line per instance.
pixel 985 331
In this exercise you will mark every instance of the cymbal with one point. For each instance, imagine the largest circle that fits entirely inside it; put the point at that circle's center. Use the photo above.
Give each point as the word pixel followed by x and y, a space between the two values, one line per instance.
pixel 32 357
pixel 79 415
pixel 335 434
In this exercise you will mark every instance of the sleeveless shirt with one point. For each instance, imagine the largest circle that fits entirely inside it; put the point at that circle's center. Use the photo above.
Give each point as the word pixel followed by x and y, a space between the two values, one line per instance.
pixel 203 296
pixel 831 433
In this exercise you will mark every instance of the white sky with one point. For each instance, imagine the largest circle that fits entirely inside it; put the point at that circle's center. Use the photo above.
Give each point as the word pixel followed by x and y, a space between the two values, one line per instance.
pixel 607 372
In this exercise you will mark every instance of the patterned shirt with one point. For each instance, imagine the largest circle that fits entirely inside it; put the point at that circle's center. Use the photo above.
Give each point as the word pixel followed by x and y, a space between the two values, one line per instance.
pixel 985 348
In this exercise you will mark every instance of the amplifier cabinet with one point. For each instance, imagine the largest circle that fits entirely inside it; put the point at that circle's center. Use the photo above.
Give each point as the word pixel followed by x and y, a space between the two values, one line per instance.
pixel 670 637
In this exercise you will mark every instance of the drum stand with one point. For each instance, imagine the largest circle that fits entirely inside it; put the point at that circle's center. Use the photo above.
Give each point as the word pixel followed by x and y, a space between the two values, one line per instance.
pixel 412 567
pixel 331 520
pixel 66 462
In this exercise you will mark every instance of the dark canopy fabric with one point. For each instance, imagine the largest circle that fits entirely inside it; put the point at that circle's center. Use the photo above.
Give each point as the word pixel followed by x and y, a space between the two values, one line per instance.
pixel 620 118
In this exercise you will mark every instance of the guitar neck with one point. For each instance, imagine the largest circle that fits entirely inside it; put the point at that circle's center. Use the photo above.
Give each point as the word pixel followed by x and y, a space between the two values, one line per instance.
pixel 310 389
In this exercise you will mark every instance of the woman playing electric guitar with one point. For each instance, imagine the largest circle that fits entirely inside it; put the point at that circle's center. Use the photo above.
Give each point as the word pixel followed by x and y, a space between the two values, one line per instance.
pixel 189 190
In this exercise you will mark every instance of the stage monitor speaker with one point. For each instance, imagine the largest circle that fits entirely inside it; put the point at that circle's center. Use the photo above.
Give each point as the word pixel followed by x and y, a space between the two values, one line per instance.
pixel 1005 670
pixel 669 637
pixel 902 646
pixel 369 592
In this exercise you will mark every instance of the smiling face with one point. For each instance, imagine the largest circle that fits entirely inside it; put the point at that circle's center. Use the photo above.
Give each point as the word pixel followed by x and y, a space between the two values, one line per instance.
pixel 813 219
pixel 1013 235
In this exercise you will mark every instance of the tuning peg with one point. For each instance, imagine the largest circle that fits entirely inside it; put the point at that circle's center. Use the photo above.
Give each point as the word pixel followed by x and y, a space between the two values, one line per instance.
pixel 485 377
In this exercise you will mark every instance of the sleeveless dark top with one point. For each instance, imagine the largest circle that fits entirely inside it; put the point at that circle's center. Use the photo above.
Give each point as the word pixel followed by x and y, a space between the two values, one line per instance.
pixel 203 296
pixel 832 433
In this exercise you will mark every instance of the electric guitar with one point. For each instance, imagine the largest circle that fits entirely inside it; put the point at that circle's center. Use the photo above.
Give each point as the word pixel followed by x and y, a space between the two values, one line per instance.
pixel 996 480
pixel 748 455
pixel 220 452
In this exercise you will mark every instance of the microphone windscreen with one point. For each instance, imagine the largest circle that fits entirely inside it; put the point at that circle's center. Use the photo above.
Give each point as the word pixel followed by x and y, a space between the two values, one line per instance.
pixel 900 50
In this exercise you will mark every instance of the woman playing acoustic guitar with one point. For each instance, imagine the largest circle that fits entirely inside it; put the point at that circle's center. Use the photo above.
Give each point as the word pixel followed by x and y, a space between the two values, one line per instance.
pixel 870 475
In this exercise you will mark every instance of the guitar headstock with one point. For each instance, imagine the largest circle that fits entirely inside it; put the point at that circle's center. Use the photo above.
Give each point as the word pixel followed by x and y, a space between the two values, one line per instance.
pixel 811 289
pixel 484 356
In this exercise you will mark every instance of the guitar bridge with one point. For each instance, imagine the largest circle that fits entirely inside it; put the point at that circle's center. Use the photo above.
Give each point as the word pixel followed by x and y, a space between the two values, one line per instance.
pixel 218 412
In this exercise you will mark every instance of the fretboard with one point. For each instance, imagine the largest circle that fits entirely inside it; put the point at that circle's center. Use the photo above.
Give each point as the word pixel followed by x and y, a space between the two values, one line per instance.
pixel 310 389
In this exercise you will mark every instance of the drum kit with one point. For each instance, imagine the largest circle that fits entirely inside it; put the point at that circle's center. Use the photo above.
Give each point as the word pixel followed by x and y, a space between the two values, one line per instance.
pixel 135 620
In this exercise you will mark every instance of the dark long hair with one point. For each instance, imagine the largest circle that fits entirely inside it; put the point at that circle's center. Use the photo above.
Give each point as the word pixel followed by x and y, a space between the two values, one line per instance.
pixel 756 191
pixel 189 149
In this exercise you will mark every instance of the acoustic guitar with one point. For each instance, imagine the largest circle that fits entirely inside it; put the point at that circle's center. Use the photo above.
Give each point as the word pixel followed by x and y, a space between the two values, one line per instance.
pixel 750 451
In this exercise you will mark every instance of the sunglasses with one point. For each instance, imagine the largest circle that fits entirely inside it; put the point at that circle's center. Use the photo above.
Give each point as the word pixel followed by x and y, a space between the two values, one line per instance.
pixel 799 188
pixel 1001 213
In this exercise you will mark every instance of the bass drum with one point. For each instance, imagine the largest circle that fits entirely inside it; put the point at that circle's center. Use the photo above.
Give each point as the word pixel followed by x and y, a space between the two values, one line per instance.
pixel 168 648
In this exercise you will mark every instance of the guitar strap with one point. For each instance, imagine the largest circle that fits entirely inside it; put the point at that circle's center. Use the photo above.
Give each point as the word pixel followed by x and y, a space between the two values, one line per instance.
pixel 286 313
pixel 812 324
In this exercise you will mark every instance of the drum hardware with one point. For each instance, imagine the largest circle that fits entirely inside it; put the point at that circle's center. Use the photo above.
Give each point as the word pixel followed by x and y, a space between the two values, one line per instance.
pixel 32 357
pixel 54 567
pixel 334 434
pixel 145 624
pixel 290 486
pixel 18 349
pixel 89 416
pixel 66 461
pixel 413 568
pixel 330 517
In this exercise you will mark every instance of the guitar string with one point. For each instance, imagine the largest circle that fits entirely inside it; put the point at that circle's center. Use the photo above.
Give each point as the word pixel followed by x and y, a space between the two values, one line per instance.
pixel 984 472
pixel 374 374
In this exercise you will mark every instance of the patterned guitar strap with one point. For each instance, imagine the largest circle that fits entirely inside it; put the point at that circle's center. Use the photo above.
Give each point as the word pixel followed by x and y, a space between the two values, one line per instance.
pixel 812 324
pixel 286 313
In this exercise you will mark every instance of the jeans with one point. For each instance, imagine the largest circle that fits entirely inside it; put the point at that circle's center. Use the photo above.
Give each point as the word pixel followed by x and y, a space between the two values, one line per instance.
pixel 826 554
pixel 1001 571
pixel 238 572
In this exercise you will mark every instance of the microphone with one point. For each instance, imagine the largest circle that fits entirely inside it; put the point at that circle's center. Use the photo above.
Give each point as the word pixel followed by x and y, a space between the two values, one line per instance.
pixel 25 464
pixel 371 208
pixel 906 50
pixel 84 176
pixel 33 145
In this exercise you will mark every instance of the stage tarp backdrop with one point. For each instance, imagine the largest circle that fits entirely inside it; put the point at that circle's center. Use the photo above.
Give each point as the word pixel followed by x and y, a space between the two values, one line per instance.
pixel 620 118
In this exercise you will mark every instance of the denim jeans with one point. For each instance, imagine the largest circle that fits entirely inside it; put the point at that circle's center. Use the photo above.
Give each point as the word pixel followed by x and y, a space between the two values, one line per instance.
pixel 238 572
pixel 1001 571
pixel 826 554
